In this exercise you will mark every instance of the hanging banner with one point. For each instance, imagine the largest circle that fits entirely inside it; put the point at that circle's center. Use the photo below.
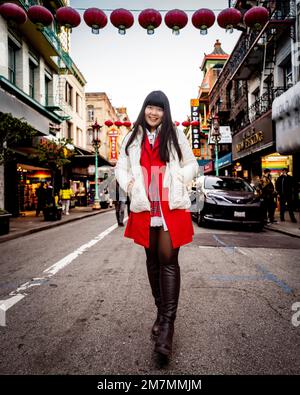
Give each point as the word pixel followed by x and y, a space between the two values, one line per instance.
pixel 195 116
pixel 113 145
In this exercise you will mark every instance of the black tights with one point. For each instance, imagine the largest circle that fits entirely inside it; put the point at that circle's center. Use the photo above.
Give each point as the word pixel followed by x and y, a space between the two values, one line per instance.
pixel 161 251
pixel 163 271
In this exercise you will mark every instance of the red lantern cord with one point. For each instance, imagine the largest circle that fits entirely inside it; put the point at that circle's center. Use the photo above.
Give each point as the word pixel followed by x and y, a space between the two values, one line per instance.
pixel 256 17
pixel 13 12
pixel 95 18
pixel 229 18
pixel 150 19
pixel 186 124
pixel 68 17
pixel 176 20
pixel 40 16
pixel 122 19
pixel 203 19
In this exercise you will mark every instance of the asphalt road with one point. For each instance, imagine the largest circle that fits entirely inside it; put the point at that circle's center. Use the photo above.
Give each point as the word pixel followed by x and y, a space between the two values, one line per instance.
pixel 85 307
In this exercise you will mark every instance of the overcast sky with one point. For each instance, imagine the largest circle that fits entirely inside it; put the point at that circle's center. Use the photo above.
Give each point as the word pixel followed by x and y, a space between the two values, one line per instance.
pixel 128 67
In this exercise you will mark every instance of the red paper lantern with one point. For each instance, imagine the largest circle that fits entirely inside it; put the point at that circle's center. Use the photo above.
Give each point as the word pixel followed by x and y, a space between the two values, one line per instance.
pixel 256 17
pixel 229 18
pixel 13 12
pixel 95 18
pixel 186 124
pixel 150 19
pixel 40 16
pixel 68 17
pixel 122 19
pixel 176 123
pixel 203 19
pixel 127 124
pixel 118 123
pixel 176 20
pixel 108 123
pixel 195 123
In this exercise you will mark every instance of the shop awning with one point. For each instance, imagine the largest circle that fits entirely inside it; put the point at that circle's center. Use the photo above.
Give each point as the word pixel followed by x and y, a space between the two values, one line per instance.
pixel 226 160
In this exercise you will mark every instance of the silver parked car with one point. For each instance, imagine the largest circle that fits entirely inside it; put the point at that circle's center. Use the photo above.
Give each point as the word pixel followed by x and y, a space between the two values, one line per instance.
pixel 225 200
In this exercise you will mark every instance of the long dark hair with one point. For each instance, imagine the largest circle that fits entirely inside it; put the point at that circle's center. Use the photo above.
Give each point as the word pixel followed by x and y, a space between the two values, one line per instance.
pixel 167 132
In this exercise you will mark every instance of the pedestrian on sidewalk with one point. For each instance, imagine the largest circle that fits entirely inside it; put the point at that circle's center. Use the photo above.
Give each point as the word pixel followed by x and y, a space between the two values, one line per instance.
pixel 285 187
pixel 119 202
pixel 268 195
pixel 41 195
pixel 155 165
pixel 65 195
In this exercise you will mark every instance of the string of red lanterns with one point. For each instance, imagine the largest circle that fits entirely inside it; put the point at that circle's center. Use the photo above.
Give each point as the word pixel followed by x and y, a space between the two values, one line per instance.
pixel 128 124
pixel 149 19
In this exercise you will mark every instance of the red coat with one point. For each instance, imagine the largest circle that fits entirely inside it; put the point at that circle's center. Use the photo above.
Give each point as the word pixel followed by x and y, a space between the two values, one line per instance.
pixel 179 221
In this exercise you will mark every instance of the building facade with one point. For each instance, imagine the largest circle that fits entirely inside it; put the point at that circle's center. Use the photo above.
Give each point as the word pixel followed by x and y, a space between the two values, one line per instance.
pixel 32 62
pixel 258 71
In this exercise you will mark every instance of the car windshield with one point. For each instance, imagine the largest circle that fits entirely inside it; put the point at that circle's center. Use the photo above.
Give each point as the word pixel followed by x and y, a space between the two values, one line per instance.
pixel 227 184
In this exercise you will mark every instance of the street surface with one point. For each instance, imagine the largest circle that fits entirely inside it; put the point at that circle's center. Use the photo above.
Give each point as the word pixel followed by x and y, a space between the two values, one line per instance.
pixel 88 308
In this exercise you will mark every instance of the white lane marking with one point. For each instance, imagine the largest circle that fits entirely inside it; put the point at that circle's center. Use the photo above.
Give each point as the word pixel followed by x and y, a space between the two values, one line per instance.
pixel 19 293
pixel 7 304
pixel 241 251
pixel 69 258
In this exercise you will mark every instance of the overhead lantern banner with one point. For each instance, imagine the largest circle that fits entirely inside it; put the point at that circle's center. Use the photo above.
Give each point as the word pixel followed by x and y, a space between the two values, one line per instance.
pixel 195 127
pixel 113 145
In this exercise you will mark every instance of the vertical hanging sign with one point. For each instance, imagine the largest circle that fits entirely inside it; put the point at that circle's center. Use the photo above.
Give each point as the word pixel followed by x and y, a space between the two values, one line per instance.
pixel 195 128
pixel 113 145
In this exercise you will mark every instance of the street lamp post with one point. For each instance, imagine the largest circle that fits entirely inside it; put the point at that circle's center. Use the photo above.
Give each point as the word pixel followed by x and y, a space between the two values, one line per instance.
pixel 96 142
pixel 216 137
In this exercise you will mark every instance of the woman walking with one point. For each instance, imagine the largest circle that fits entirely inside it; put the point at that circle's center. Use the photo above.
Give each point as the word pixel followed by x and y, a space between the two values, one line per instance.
pixel 154 167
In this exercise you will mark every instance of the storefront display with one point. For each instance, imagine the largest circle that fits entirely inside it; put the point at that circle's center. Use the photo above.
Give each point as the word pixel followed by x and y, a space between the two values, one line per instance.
pixel 29 179
pixel 276 162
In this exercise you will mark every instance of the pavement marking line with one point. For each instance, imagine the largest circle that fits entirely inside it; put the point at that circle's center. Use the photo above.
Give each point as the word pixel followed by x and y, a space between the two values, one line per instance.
pixel 17 295
pixel 271 277
pixel 70 258
pixel 219 241
pixel 7 304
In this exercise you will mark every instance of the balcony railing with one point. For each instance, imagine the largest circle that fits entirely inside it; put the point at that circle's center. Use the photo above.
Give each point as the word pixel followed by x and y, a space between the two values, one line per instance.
pixel 264 103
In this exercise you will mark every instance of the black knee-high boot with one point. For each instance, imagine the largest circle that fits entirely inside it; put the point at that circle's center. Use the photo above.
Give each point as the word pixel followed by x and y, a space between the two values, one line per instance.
pixel 169 290
pixel 153 276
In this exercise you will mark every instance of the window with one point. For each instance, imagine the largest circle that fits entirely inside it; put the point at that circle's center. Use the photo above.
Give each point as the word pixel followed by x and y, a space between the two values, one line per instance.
pixel 90 113
pixel 78 104
pixel 31 79
pixel 79 137
pixel 47 90
pixel 69 130
pixel 69 94
pixel 12 55
pixel 287 74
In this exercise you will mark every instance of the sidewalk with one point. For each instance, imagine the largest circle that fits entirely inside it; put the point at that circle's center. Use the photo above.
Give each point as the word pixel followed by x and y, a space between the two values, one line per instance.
pixel 287 227
pixel 29 223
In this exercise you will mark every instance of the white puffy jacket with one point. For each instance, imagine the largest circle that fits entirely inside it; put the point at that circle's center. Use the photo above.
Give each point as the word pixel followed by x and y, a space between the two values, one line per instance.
pixel 177 173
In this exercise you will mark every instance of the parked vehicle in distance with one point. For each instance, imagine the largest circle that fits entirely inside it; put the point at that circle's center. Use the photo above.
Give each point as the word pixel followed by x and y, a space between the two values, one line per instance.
pixel 227 200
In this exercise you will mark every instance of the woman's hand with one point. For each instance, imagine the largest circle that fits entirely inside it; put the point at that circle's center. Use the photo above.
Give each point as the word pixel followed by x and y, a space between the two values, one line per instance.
pixel 130 185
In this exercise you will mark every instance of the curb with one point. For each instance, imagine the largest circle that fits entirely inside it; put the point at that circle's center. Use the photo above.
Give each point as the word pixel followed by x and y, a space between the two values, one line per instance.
pixel 285 232
pixel 49 226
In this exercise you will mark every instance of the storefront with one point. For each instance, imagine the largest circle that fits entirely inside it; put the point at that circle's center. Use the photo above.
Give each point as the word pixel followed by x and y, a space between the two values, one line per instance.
pixel 276 162
pixel 250 145
pixel 29 179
